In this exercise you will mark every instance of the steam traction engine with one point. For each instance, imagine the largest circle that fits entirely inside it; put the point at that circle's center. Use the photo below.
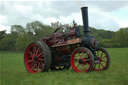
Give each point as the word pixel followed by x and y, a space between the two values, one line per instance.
pixel 62 50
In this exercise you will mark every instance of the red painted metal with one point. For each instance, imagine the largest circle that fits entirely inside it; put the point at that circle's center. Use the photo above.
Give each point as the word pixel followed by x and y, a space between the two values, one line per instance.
pixel 71 33
pixel 58 37
pixel 81 60
pixel 34 59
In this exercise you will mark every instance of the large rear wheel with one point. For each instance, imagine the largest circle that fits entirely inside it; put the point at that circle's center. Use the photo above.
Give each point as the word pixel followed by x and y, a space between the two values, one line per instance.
pixel 37 57
pixel 82 60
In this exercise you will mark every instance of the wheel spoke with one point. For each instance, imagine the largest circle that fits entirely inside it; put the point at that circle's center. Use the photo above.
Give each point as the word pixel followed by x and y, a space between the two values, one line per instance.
pixel 37 51
pixel 87 59
pixel 86 55
pixel 97 53
pixel 102 65
pixel 99 66
pixel 30 53
pixel 33 66
pixel 81 53
pixel 96 65
pixel 40 54
pixel 83 68
pixel 77 65
pixel 32 63
pixel 34 51
pixel 83 65
pixel 84 60
pixel 101 55
pixel 39 64
pixel 41 59
pixel 29 61
pixel 104 61
pixel 42 64
pixel 36 67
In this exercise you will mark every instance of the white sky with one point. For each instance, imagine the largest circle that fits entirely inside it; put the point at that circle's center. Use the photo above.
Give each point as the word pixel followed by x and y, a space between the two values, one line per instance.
pixel 103 14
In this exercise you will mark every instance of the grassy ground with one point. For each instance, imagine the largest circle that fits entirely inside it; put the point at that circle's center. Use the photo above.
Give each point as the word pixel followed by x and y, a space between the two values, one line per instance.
pixel 13 72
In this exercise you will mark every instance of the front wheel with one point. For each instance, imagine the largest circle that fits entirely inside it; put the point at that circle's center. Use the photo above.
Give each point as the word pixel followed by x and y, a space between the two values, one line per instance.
pixel 82 60
pixel 103 61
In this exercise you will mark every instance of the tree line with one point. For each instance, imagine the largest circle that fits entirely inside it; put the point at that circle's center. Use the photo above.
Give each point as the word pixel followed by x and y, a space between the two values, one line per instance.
pixel 20 36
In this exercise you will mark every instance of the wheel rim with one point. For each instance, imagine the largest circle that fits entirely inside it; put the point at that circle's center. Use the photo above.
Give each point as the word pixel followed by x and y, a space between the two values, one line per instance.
pixel 81 60
pixel 34 59
pixel 102 60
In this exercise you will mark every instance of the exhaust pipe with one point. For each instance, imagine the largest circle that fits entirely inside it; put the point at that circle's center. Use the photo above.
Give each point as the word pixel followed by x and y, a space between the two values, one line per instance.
pixel 85 20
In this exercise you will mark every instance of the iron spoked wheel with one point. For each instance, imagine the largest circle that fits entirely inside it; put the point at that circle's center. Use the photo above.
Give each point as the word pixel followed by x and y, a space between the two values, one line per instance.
pixel 103 62
pixel 36 57
pixel 82 60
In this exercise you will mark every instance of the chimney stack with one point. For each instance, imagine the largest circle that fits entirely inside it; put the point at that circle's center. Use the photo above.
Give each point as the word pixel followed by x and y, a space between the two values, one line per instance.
pixel 85 20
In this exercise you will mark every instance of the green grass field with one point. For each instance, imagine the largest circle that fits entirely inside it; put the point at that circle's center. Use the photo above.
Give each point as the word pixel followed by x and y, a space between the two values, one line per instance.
pixel 13 72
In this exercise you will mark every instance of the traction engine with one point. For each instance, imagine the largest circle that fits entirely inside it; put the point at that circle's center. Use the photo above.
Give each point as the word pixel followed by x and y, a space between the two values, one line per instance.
pixel 64 49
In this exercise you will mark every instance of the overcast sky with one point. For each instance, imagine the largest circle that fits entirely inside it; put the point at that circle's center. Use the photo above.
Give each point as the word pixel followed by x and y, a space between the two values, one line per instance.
pixel 103 14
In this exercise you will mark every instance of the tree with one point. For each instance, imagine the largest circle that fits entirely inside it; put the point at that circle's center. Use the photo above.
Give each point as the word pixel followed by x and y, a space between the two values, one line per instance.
pixel 38 29
pixel 8 42
pixel 23 40
pixel 121 37
pixel 19 29
pixel 32 32
pixel 2 34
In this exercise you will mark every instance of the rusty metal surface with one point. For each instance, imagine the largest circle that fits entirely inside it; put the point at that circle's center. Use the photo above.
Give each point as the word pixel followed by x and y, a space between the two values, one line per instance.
pixel 68 42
